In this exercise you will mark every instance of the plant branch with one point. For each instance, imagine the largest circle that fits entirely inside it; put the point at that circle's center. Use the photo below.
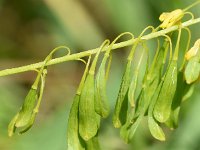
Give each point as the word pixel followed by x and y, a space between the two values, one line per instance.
pixel 77 56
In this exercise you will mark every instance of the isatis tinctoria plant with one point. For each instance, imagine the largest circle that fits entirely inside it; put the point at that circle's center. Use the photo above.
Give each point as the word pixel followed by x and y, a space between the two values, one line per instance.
pixel 168 80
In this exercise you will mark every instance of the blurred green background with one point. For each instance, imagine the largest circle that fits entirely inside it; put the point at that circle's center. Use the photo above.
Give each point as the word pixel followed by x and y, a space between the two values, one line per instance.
pixel 30 29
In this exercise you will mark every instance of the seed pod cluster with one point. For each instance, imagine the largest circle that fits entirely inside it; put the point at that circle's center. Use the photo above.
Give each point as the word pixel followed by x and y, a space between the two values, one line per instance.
pixel 25 118
pixel 157 93
pixel 163 90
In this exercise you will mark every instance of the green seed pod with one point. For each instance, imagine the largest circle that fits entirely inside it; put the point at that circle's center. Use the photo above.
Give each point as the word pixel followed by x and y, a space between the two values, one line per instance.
pixel 11 126
pixel 121 102
pixel 121 106
pixel 23 118
pixel 134 81
pixel 155 129
pixel 101 102
pixel 189 90
pixel 27 109
pixel 89 120
pixel 88 124
pixel 74 141
pixel 162 107
pixel 192 70
pixel 93 144
pixel 183 92
pixel 125 129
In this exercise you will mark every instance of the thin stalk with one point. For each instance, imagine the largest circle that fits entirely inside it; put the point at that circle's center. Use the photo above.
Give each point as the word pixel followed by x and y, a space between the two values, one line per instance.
pixel 77 56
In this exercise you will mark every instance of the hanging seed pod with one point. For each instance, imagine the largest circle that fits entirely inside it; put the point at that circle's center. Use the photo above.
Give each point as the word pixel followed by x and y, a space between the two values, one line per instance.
pixel 162 107
pixel 120 111
pixel 88 119
pixel 155 129
pixel 126 128
pixel 93 144
pixel 183 91
pixel 101 102
pixel 189 90
pixel 26 116
pixel 140 102
pixel 74 141
pixel 192 68
pixel 121 107
pixel 163 104
pixel 134 82
pixel 150 87
pixel 27 108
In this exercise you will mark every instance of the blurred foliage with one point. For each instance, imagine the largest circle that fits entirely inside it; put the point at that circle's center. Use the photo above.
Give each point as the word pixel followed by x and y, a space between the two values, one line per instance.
pixel 29 29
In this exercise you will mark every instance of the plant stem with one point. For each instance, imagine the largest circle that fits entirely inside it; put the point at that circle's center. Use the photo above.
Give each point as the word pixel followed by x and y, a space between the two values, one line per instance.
pixel 77 56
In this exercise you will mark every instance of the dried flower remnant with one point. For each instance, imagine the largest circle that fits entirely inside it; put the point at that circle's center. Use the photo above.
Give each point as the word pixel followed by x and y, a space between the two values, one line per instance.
pixel 193 51
pixel 169 19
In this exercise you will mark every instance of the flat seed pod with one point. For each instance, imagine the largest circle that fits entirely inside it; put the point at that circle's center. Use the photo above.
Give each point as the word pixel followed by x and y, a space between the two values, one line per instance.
pixel 134 82
pixel 11 126
pixel 89 120
pixel 74 141
pixel 162 107
pixel 192 70
pixel 125 129
pixel 93 144
pixel 88 124
pixel 117 120
pixel 155 129
pixel 182 92
pixel 27 108
pixel 189 90
pixel 101 101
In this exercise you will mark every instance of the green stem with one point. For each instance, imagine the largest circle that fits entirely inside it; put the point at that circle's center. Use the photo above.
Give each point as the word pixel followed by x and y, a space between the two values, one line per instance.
pixel 192 5
pixel 77 56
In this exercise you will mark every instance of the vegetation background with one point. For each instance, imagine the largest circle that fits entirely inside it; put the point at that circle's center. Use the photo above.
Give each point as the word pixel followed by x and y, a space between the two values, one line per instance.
pixel 30 29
